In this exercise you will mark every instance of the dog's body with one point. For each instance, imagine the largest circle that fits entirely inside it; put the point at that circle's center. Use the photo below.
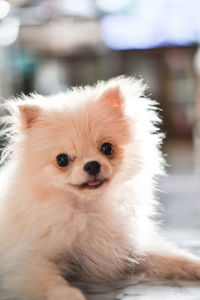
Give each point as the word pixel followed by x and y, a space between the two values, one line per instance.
pixel 77 193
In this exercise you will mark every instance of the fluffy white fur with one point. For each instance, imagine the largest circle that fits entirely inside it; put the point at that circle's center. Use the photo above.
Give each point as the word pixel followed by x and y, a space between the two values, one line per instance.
pixel 51 227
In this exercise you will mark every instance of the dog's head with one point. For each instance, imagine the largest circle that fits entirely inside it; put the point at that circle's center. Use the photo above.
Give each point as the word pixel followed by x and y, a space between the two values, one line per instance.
pixel 88 139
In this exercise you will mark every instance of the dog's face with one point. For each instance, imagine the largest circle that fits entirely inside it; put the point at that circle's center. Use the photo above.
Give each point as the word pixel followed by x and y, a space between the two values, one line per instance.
pixel 77 150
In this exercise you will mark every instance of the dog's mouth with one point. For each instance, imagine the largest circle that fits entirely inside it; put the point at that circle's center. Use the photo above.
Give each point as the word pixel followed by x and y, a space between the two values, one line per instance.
pixel 91 184
pixel 94 184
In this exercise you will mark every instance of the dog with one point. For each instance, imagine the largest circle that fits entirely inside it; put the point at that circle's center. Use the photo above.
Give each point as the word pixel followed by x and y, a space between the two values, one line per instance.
pixel 77 192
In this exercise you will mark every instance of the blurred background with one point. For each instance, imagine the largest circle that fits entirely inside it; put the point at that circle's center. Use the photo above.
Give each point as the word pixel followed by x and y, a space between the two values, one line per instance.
pixel 49 45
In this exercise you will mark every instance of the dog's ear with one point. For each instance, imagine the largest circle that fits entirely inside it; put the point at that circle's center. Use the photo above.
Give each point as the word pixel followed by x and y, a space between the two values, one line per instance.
pixel 28 115
pixel 112 97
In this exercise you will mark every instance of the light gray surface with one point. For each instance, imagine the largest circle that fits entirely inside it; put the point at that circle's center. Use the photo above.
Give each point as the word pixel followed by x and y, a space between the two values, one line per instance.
pixel 147 290
pixel 181 224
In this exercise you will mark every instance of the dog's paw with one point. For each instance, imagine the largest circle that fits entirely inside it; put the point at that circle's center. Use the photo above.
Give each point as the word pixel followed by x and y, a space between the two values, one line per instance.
pixel 65 293
pixel 178 266
pixel 192 269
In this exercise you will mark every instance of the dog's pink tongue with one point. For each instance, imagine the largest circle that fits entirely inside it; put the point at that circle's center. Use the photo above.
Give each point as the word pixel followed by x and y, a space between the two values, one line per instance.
pixel 95 182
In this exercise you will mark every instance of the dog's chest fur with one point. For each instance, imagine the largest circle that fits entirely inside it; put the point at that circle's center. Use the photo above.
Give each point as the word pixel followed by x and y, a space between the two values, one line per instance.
pixel 101 250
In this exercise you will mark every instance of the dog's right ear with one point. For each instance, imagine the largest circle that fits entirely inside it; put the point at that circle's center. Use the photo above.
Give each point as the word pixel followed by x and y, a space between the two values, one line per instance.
pixel 112 97
pixel 28 115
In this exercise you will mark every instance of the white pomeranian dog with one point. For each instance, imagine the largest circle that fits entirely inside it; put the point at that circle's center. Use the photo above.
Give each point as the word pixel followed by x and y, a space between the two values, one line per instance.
pixel 76 196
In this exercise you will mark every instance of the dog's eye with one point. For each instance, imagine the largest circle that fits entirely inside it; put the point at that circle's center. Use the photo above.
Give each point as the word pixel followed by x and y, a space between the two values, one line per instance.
pixel 63 160
pixel 107 148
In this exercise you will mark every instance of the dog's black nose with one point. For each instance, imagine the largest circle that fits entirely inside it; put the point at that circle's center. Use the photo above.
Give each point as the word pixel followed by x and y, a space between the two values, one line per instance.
pixel 92 167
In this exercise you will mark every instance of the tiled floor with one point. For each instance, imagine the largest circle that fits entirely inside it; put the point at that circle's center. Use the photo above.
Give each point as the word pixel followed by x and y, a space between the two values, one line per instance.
pixel 181 213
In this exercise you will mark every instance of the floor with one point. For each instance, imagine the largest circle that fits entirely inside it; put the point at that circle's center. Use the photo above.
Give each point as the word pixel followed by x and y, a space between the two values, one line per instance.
pixel 181 224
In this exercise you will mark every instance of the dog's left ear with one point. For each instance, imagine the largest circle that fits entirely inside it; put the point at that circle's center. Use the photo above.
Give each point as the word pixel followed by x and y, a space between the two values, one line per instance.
pixel 28 115
pixel 112 97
